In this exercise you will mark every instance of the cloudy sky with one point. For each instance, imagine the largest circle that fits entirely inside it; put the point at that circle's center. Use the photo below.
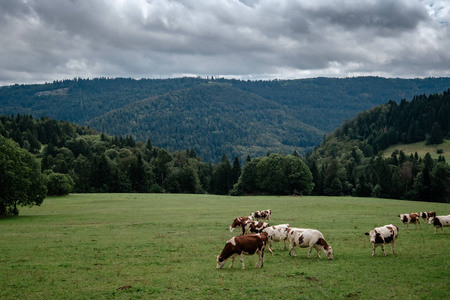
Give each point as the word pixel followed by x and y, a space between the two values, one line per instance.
pixel 46 40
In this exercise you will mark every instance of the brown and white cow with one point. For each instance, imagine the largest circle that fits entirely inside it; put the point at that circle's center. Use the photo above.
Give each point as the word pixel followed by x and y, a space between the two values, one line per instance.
pixel 252 227
pixel 239 222
pixel 412 218
pixel 308 238
pixel 426 215
pixel 276 233
pixel 243 244
pixel 439 222
pixel 262 215
pixel 381 236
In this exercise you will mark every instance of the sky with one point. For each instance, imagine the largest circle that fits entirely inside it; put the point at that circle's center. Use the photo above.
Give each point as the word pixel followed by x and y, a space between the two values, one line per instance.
pixel 47 40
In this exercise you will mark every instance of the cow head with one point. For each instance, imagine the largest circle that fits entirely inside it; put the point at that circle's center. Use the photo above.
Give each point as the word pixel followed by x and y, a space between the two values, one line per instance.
pixel 431 220
pixel 220 262
pixel 329 252
pixel 375 237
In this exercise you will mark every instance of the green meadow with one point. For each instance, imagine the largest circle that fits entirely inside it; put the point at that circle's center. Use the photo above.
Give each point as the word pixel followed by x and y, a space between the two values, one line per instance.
pixel 164 246
pixel 422 149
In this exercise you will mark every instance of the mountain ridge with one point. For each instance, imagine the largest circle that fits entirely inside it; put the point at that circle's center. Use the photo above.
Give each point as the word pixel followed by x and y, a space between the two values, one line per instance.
pixel 303 111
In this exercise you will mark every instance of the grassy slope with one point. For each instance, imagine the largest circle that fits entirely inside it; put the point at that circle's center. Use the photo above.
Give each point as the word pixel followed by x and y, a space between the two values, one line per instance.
pixel 421 149
pixel 165 246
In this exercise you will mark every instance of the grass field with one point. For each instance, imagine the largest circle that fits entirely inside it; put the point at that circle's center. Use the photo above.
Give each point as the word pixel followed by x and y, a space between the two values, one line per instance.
pixel 421 148
pixel 160 246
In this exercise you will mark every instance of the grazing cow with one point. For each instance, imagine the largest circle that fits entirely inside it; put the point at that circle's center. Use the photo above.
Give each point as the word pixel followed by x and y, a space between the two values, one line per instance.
pixel 308 238
pixel 262 214
pixel 440 222
pixel 426 215
pixel 252 227
pixel 382 236
pixel 413 218
pixel 276 233
pixel 243 244
pixel 240 222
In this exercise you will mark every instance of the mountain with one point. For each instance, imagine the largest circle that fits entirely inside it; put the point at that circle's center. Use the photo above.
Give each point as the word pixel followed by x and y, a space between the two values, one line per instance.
pixel 214 116
pixel 225 118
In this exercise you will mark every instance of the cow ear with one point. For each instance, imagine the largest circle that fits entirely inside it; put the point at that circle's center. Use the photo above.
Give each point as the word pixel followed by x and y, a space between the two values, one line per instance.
pixel 366 233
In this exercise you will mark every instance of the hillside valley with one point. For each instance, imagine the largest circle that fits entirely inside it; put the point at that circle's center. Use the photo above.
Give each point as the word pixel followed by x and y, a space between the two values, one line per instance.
pixel 214 116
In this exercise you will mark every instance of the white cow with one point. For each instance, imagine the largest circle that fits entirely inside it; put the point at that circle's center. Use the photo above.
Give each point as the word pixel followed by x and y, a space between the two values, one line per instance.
pixel 439 222
pixel 308 238
pixel 262 214
pixel 252 227
pixel 276 233
pixel 426 215
pixel 386 234
pixel 413 218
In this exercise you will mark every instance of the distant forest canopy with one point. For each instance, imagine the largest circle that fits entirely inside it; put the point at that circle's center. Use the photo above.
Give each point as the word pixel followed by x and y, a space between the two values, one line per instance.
pixel 214 116
pixel 348 162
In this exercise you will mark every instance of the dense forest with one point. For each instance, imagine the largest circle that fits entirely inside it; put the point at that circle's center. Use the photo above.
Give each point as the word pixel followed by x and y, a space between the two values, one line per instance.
pixel 348 162
pixel 58 157
pixel 214 116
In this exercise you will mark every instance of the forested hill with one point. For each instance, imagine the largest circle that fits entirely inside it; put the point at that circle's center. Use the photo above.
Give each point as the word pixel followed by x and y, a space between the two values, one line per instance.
pixel 348 161
pixel 213 120
pixel 214 116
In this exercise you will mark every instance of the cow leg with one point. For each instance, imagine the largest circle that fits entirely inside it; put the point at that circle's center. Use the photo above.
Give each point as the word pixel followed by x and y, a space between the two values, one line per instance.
pixel 392 247
pixel 309 251
pixel 435 229
pixel 270 248
pixel 291 249
pixel 260 262
pixel 374 247
pixel 241 257
pixel 384 251
pixel 318 248
pixel 232 260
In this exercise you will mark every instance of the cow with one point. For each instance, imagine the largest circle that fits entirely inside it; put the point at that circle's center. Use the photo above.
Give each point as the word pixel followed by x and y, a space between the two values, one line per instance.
pixel 262 215
pixel 243 244
pixel 439 222
pixel 413 218
pixel 308 238
pixel 426 215
pixel 252 227
pixel 240 222
pixel 380 236
pixel 276 233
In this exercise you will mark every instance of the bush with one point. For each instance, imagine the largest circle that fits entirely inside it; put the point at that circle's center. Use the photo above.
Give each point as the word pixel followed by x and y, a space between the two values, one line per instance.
pixel 59 184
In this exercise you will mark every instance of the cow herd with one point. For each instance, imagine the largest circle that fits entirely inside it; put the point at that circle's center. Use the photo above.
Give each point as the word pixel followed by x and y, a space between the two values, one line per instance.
pixel 256 235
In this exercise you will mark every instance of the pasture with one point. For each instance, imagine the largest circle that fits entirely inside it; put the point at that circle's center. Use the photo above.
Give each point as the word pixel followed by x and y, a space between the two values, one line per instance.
pixel 164 246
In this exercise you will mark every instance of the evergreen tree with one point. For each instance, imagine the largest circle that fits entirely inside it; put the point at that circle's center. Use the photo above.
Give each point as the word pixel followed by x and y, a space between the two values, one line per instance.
pixel 436 136
pixel 363 188
pixel 236 171
pixel 222 177
pixel 139 176
pixel 335 188
pixel 440 183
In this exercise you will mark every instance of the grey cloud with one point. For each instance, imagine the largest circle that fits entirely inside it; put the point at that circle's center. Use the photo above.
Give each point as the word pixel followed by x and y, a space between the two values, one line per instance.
pixel 44 40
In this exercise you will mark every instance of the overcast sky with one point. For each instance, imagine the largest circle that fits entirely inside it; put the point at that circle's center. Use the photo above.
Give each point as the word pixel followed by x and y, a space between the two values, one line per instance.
pixel 46 40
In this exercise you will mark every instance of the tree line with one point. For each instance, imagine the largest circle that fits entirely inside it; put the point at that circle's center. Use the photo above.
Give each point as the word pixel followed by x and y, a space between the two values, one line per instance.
pixel 350 162
pixel 42 156
pixel 214 115
pixel 64 157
